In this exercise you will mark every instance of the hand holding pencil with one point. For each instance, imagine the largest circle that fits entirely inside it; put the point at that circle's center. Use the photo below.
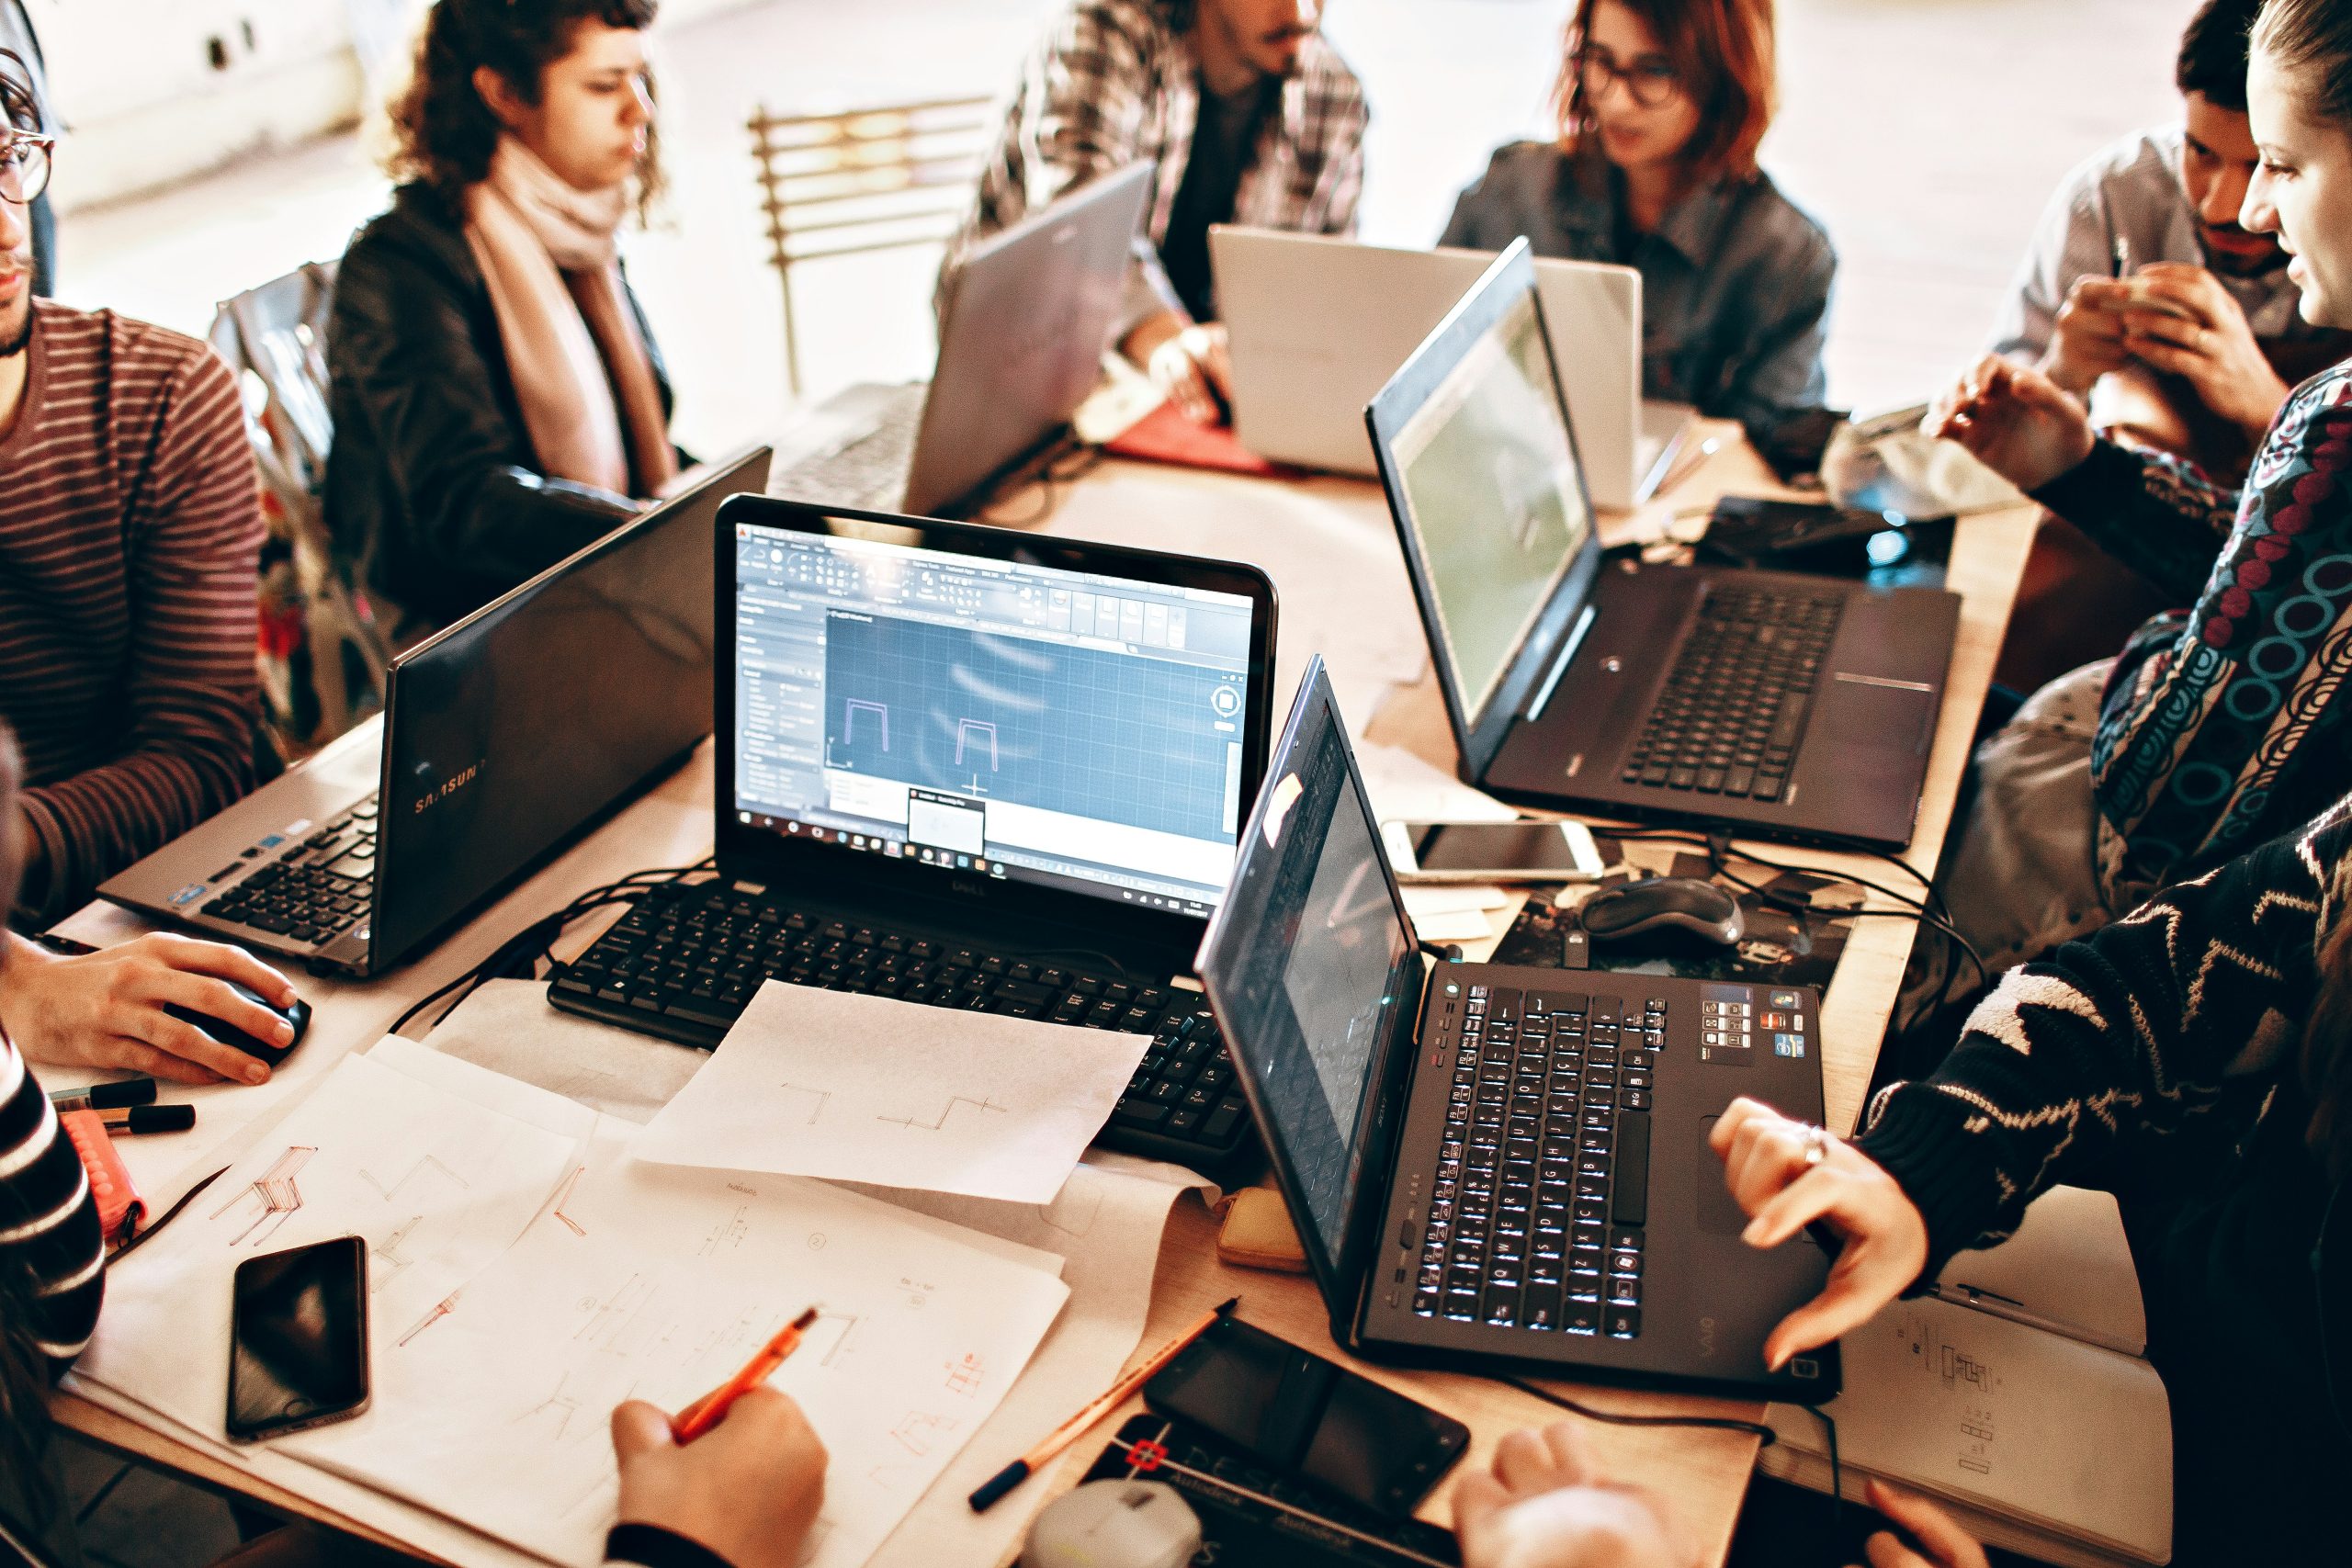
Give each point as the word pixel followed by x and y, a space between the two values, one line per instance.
pixel 749 1490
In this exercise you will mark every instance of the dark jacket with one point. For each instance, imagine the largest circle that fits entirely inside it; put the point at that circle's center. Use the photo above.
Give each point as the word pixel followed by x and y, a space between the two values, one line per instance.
pixel 433 492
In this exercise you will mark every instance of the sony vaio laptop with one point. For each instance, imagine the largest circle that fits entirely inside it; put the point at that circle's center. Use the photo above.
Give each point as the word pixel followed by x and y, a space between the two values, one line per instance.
pixel 1492 1162
pixel 1022 326
pixel 1784 706
pixel 972 768
pixel 1318 323
pixel 504 734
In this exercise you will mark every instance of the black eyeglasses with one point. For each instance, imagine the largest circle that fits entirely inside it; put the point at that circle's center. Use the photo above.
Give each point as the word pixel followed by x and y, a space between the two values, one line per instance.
pixel 1651 79
pixel 24 167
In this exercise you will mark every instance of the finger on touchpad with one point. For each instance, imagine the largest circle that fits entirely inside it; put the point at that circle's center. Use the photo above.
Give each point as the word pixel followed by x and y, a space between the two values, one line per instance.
pixel 1719 1212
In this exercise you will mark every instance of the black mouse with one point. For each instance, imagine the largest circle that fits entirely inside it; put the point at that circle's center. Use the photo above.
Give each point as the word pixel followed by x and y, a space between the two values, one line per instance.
pixel 1664 904
pixel 236 1038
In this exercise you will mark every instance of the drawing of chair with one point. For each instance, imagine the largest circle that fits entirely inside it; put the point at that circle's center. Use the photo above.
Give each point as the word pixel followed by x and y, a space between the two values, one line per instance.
pixel 279 1194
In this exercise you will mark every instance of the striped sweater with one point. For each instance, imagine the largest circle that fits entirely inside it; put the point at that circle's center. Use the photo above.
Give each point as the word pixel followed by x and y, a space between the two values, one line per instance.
pixel 130 538
pixel 51 1253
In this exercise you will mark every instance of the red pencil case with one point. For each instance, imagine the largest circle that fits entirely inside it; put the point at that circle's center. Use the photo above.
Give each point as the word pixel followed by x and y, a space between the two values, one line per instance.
pixel 119 1206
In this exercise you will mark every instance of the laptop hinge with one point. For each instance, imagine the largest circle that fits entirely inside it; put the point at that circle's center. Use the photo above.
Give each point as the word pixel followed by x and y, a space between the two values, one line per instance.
pixel 1560 666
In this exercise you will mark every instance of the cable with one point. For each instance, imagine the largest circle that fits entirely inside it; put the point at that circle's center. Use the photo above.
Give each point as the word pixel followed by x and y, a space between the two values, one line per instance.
pixel 1757 1429
pixel 1837 1484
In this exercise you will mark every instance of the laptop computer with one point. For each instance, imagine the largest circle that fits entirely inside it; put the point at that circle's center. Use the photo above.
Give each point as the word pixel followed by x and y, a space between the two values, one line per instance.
pixel 970 768
pixel 504 735
pixel 1023 327
pixel 1492 1163
pixel 1319 325
pixel 1785 706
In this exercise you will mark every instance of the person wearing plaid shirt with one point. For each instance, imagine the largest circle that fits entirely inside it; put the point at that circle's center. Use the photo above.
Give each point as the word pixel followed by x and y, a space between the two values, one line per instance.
pixel 1251 116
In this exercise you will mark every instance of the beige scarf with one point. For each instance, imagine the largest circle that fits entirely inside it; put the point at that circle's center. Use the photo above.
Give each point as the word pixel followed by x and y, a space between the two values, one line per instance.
pixel 580 366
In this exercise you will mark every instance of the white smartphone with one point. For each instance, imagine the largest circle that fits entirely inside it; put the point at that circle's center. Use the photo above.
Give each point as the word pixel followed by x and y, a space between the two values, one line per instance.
pixel 1492 851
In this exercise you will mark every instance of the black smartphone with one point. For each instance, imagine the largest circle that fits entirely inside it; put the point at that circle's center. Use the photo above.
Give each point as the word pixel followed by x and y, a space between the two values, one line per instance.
pixel 297 1333
pixel 1299 1413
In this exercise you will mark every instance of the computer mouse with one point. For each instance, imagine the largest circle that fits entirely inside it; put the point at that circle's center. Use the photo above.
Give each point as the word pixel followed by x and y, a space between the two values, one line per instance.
pixel 1115 1524
pixel 298 1015
pixel 1664 904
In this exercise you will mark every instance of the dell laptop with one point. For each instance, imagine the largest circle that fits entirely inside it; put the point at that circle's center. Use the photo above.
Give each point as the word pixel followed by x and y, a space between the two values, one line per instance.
pixel 1318 323
pixel 1779 704
pixel 971 768
pixel 1022 326
pixel 504 735
pixel 1487 1163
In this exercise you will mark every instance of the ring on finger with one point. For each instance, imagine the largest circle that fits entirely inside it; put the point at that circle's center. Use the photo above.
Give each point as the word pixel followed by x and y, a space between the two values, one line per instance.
pixel 1816 1145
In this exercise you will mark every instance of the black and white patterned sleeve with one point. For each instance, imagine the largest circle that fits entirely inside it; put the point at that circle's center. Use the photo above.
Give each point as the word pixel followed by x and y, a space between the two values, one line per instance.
pixel 52 1254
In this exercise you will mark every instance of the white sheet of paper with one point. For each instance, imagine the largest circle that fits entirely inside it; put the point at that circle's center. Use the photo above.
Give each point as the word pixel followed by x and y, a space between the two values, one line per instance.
pixel 438 1184
pixel 1460 926
pixel 508 1027
pixel 658 1284
pixel 853 1088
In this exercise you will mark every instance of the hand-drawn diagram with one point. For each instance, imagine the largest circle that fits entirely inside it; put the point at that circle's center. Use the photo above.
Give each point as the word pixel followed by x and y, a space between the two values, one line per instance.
pixel 564 1196
pixel 1074 1209
pixel 936 1123
pixel 441 1309
pixel 559 1407
pixel 728 1233
pixel 796 1096
pixel 426 1165
pixel 964 1377
pixel 918 1431
pixel 833 1331
pixel 385 1264
pixel 279 1197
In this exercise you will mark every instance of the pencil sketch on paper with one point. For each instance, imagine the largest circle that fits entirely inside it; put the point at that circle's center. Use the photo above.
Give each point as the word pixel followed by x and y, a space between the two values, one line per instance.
pixel 387 1263
pixel 964 1377
pixel 919 1430
pixel 800 1096
pixel 559 1406
pixel 278 1196
pixel 441 1309
pixel 426 1165
pixel 940 1121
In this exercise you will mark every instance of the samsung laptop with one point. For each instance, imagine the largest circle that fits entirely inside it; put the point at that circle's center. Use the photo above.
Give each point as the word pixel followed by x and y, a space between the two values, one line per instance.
pixel 1783 706
pixel 503 735
pixel 1319 325
pixel 972 768
pixel 1490 1162
pixel 1022 326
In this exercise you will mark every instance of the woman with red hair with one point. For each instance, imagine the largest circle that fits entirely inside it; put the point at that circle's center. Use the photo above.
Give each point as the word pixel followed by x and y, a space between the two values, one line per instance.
pixel 1662 105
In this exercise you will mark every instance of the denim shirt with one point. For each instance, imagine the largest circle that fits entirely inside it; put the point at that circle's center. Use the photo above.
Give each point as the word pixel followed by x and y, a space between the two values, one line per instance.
pixel 1735 279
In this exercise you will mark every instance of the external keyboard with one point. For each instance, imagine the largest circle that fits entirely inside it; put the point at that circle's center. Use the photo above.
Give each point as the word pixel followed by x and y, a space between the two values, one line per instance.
pixel 1542 1180
pixel 870 469
pixel 307 890
pixel 684 964
pixel 1733 713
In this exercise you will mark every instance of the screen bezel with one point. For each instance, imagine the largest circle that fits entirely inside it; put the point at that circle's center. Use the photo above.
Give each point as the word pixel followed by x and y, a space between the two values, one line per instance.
pixel 355 1260
pixel 1337 1276
pixel 775 858
pixel 1479 735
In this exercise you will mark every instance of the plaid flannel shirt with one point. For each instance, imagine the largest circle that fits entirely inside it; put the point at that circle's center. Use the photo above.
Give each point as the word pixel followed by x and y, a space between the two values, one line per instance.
pixel 1115 81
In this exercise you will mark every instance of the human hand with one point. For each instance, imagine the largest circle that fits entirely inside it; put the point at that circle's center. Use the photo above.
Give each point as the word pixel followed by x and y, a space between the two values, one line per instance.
pixel 748 1489
pixel 2016 422
pixel 1543 1504
pixel 1785 1175
pixel 1191 364
pixel 2087 340
pixel 2210 345
pixel 1948 1546
pixel 106 1010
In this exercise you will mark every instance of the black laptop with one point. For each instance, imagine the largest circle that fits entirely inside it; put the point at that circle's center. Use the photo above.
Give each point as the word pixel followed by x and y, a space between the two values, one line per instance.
pixel 505 735
pixel 1491 1162
pixel 1786 706
pixel 1023 321
pixel 970 768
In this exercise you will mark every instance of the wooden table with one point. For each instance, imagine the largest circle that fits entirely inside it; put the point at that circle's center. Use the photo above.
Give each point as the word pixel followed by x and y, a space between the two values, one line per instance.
pixel 1701 1476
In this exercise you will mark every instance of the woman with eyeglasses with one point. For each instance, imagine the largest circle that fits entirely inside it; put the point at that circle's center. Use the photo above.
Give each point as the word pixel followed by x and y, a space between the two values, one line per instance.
pixel 1662 105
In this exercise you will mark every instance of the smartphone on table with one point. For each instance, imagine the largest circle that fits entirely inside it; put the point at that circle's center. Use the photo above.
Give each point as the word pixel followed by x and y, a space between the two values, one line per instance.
pixel 1524 850
pixel 298 1352
pixel 1301 1413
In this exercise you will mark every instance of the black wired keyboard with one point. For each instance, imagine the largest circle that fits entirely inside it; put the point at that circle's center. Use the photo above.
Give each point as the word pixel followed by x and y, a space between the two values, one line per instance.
pixel 1542 1180
pixel 685 963
pixel 1733 712
pixel 304 890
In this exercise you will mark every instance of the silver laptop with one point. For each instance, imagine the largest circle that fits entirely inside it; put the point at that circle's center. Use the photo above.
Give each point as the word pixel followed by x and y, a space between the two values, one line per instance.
pixel 1021 338
pixel 1319 325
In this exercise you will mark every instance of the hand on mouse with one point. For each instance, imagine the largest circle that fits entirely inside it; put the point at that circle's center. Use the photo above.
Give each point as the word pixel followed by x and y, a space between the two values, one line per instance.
pixel 106 1010
pixel 748 1489
pixel 1768 1162
pixel 1545 1505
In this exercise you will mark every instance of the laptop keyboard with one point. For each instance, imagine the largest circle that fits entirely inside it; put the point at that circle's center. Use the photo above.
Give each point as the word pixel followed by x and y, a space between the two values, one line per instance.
pixel 1541 1192
pixel 685 963
pixel 868 470
pixel 1733 712
pixel 312 890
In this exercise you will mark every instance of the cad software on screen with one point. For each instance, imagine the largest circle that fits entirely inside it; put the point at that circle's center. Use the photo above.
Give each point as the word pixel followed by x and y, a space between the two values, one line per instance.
pixel 991 716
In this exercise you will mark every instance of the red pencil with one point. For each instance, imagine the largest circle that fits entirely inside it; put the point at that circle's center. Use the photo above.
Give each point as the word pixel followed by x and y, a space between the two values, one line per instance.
pixel 711 1408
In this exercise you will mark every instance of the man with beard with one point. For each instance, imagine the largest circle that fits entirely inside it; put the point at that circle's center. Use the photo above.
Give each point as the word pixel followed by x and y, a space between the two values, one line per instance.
pixel 1252 116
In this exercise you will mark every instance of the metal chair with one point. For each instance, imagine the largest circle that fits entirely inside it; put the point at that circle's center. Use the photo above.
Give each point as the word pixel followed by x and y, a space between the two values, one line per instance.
pixel 321 652
pixel 881 178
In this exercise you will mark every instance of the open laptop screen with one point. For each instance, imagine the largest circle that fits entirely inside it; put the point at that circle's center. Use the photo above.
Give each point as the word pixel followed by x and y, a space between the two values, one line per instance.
pixel 1025 722
pixel 1489 486
pixel 1311 959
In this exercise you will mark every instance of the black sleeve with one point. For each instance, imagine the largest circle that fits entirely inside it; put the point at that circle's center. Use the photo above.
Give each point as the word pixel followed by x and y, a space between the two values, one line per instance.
pixel 654 1547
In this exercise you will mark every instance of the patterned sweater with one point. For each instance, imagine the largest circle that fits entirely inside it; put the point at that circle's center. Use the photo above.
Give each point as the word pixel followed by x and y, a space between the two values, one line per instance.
pixel 2219 729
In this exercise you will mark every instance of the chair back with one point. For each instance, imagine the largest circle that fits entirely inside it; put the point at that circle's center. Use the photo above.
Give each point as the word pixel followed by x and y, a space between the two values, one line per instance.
pixel 323 654
pixel 884 177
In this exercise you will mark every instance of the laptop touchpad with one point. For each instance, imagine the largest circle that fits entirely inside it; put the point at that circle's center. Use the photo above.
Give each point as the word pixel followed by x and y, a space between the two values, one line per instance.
pixel 1888 718
pixel 1719 1212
